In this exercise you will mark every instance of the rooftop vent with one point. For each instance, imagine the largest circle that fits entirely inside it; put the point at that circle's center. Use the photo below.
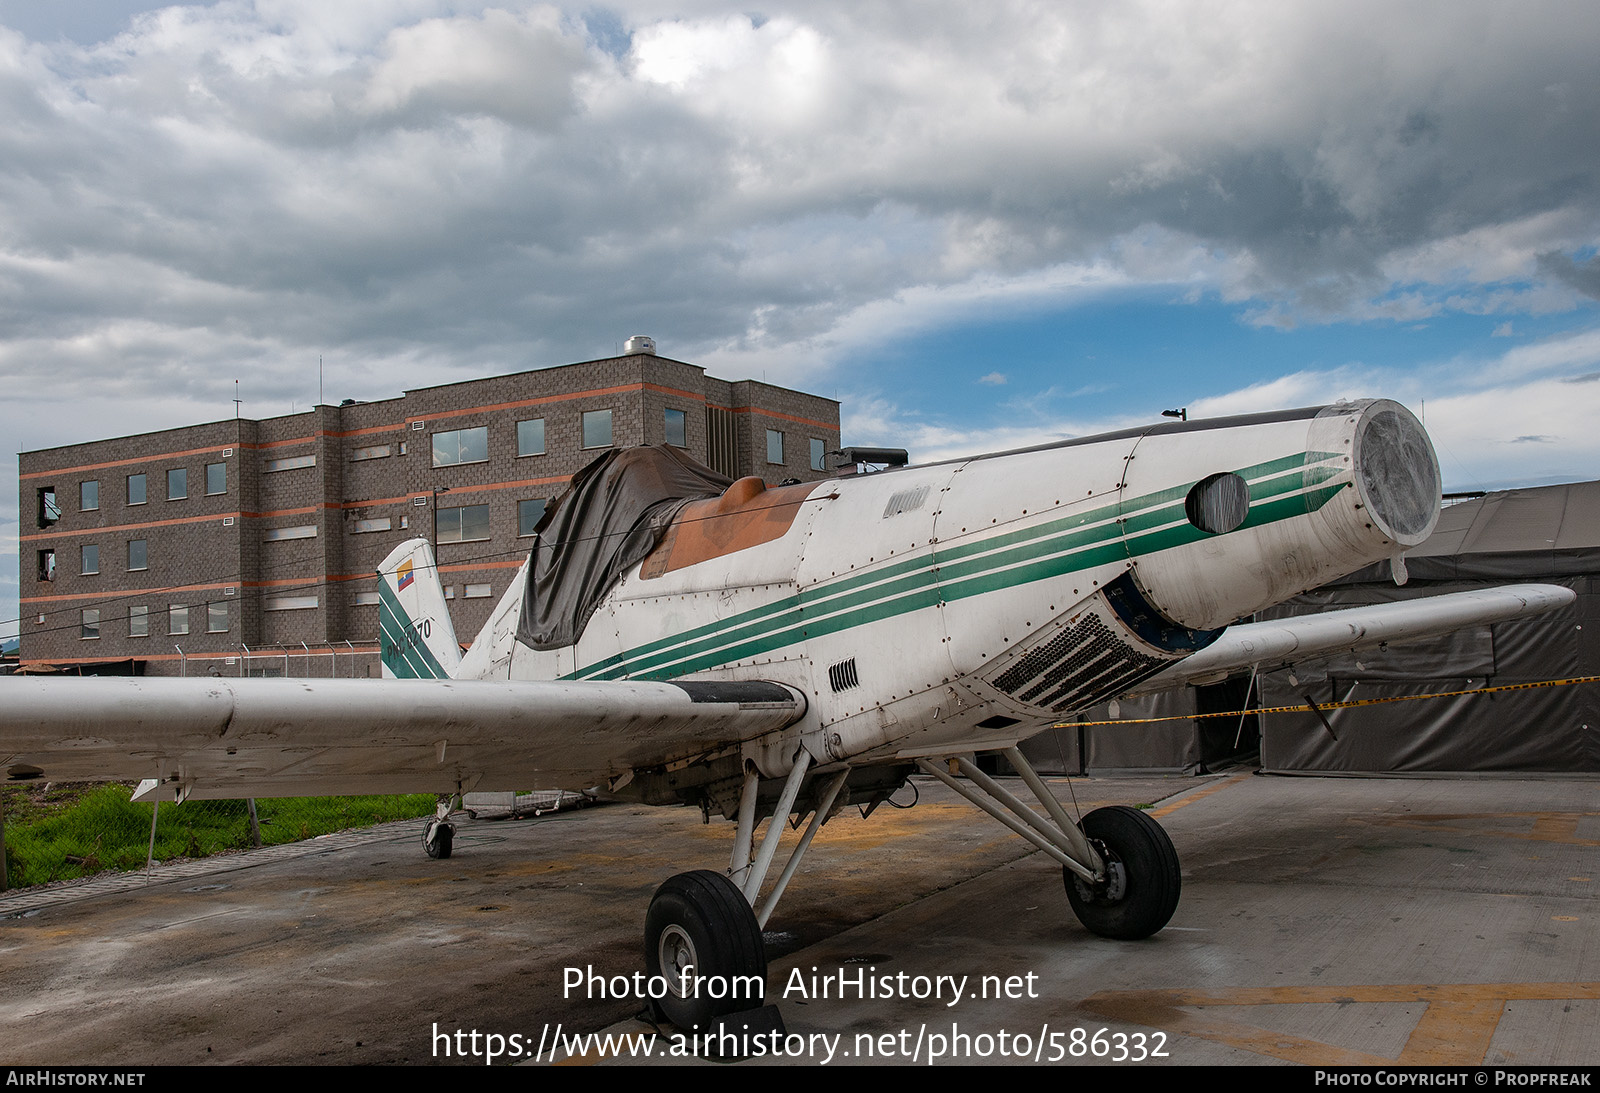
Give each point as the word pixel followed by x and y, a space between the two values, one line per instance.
pixel 639 343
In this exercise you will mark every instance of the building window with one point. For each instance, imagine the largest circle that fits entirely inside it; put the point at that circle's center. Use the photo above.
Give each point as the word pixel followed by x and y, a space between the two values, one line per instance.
pixel 364 599
pixel 377 451
pixel 303 531
pixel 479 591
pixel 49 508
pixel 138 622
pixel 289 603
pixel 216 478
pixel 47 565
pixel 449 591
pixel 289 463
pixel 89 627
pixel 819 453
pixel 377 523
pixel 137 554
pixel 216 618
pixel 136 489
pixel 178 619
pixel 774 446
pixel 88 496
pixel 529 513
pixel 461 446
pixel 467 524
pixel 91 559
pixel 677 425
pixel 530 437
pixel 597 429
pixel 177 484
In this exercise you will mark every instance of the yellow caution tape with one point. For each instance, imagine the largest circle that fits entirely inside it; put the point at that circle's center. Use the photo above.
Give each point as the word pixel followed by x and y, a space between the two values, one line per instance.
pixel 1308 708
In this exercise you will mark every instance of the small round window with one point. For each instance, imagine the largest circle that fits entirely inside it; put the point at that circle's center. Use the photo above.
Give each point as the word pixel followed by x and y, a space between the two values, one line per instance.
pixel 1218 504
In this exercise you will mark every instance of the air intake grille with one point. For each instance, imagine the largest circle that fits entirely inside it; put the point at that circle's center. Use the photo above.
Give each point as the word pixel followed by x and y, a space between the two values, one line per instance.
pixel 842 676
pixel 905 501
pixel 1081 665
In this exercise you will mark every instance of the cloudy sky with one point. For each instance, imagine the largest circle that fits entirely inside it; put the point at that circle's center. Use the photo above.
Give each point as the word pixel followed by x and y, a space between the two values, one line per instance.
pixel 976 225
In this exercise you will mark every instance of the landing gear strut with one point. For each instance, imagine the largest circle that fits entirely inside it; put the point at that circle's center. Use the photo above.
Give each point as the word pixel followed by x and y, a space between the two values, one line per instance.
pixel 702 934
pixel 1121 871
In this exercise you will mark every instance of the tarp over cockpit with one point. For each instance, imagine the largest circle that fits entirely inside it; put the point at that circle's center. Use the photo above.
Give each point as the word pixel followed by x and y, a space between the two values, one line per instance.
pixel 611 515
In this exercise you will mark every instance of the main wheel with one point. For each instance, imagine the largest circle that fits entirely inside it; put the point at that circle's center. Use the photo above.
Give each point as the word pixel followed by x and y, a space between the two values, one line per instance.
pixel 702 938
pixel 438 839
pixel 1143 878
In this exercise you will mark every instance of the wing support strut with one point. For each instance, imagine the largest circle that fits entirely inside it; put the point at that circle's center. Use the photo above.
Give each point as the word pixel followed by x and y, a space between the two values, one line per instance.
pixel 739 868
pixel 780 818
pixel 818 818
pixel 749 875
pixel 1063 840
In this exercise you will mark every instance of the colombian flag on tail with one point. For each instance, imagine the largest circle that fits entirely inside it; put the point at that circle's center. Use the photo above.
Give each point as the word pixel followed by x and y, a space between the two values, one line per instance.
pixel 414 633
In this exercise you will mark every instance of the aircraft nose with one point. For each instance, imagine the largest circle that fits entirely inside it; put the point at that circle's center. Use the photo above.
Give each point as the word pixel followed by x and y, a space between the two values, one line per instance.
pixel 1305 501
pixel 1397 473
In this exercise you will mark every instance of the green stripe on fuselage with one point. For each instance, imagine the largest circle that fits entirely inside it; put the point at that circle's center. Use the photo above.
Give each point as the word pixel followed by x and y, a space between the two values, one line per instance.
pixel 1049 549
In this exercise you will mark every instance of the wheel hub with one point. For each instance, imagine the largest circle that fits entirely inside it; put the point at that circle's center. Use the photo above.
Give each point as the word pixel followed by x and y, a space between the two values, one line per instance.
pixel 676 953
pixel 1115 885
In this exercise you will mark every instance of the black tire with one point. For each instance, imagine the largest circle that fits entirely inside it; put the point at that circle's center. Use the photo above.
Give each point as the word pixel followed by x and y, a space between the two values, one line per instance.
pixel 438 839
pixel 701 918
pixel 1143 880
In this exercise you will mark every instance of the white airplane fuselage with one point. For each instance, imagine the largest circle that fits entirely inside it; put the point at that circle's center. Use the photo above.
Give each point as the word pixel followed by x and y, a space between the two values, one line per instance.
pixel 970 603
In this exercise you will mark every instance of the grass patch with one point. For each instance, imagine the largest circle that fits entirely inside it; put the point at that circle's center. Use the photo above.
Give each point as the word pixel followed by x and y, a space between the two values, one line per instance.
pixel 73 831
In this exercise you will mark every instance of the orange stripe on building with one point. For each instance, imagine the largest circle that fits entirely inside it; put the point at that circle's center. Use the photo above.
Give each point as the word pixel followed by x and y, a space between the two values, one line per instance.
pixel 270 653
pixel 519 403
pixel 54 533
pixel 409 498
pixel 130 462
pixel 134 593
pixel 510 485
pixel 823 425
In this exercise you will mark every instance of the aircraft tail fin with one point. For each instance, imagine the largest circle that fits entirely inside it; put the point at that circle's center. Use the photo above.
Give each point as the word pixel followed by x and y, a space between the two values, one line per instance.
pixel 417 638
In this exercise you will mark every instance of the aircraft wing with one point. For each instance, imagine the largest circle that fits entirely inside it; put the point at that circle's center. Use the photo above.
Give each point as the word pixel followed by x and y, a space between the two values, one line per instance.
pixel 1269 645
pixel 221 738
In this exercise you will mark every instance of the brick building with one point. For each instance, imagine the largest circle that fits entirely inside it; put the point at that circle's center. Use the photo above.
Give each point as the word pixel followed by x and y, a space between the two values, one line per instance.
pixel 246 546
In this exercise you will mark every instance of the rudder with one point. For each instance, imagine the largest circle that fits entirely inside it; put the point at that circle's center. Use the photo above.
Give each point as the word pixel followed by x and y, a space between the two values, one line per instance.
pixel 416 638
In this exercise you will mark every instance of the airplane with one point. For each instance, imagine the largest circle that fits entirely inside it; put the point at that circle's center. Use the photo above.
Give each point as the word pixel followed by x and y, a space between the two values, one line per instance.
pixel 677 638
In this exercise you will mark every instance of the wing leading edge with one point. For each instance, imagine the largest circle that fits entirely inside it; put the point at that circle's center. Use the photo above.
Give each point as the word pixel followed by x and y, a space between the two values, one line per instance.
pixel 212 738
pixel 1272 644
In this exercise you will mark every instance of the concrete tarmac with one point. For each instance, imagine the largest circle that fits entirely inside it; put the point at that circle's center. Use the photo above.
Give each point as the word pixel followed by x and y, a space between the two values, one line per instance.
pixel 1323 920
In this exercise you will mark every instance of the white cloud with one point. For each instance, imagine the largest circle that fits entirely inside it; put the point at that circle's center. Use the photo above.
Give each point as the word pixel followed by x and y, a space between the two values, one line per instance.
pixel 423 190
pixel 1580 350
pixel 489 179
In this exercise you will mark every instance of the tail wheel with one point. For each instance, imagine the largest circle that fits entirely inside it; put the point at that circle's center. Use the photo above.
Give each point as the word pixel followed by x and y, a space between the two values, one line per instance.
pixel 702 938
pixel 1143 878
pixel 438 839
